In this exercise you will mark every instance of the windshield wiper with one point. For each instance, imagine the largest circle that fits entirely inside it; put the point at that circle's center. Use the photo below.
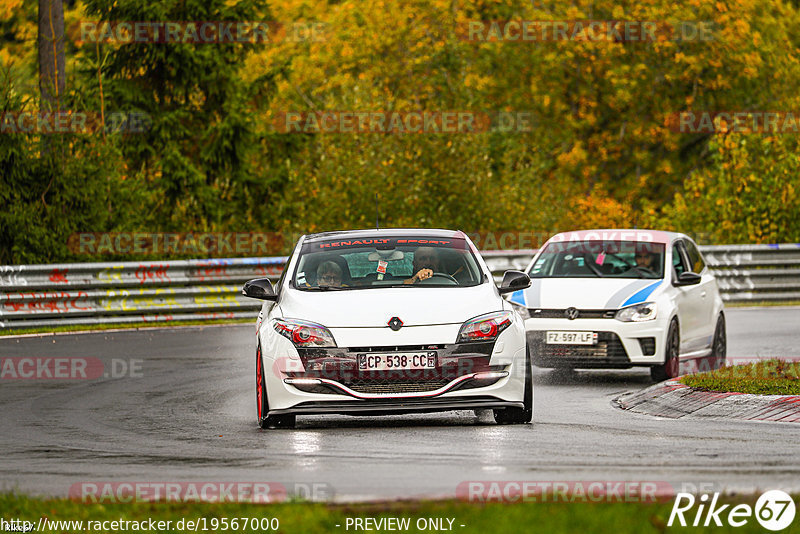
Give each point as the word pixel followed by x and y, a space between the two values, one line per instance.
pixel 591 267
pixel 325 288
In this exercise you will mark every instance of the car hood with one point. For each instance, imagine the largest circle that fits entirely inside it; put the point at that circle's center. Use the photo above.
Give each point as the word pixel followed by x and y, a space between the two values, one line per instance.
pixel 415 306
pixel 586 293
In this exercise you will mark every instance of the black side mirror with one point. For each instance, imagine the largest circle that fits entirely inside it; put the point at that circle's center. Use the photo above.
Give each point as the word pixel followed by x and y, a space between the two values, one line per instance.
pixel 687 279
pixel 259 288
pixel 514 281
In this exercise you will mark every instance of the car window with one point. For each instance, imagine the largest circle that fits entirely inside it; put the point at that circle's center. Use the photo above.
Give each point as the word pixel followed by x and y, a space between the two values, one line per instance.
pixel 696 262
pixel 385 262
pixel 597 258
pixel 678 261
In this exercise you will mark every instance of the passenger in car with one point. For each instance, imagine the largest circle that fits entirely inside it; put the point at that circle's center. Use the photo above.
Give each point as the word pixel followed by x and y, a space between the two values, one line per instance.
pixel 329 274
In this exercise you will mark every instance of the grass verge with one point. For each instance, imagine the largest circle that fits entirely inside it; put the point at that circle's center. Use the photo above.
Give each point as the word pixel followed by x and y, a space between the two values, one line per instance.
pixel 116 326
pixel 302 518
pixel 768 377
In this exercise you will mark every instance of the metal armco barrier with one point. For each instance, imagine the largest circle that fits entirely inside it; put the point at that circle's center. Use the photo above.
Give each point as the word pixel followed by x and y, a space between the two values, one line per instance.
pixel 756 273
pixel 33 296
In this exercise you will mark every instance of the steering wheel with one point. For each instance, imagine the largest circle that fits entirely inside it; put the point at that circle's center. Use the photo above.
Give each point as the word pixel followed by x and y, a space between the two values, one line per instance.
pixel 644 270
pixel 440 275
pixel 628 265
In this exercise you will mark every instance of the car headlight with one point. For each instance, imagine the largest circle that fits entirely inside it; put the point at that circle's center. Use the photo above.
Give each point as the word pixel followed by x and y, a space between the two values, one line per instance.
pixel 637 313
pixel 520 309
pixel 304 333
pixel 484 327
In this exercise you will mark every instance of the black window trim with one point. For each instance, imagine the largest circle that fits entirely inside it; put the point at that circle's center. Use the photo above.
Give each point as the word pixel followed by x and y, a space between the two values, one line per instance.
pixel 681 246
pixel 686 242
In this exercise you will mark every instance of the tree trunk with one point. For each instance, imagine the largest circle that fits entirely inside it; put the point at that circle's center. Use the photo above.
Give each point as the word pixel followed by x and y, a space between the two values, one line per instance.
pixel 51 54
pixel 52 79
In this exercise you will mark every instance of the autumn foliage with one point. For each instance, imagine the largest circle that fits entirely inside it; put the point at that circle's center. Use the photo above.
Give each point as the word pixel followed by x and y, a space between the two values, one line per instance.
pixel 599 150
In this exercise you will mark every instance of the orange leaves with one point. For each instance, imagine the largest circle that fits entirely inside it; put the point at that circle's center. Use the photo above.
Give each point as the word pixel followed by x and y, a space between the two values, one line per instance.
pixel 596 210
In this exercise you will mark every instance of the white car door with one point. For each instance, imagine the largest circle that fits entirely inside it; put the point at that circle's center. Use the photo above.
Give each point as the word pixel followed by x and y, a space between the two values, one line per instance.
pixel 688 299
pixel 707 289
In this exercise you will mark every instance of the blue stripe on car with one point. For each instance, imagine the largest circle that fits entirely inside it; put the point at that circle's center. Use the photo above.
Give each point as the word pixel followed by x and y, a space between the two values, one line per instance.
pixel 533 295
pixel 619 297
pixel 641 295
pixel 518 297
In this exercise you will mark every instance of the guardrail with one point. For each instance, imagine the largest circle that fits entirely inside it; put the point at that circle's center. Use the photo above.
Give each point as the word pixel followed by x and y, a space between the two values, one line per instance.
pixel 33 296
pixel 756 273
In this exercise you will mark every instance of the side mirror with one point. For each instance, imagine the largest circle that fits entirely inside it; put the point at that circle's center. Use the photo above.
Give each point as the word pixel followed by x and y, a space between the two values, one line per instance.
pixel 687 279
pixel 514 281
pixel 259 288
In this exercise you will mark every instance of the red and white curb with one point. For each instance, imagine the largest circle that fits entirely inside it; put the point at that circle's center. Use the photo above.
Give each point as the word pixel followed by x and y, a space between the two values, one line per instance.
pixel 675 400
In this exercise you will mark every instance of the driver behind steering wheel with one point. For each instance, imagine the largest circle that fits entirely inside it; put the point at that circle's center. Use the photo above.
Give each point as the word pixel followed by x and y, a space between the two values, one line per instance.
pixel 425 263
pixel 646 260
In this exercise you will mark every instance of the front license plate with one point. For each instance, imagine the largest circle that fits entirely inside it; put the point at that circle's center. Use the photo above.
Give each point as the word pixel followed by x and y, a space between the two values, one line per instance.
pixel 396 360
pixel 557 337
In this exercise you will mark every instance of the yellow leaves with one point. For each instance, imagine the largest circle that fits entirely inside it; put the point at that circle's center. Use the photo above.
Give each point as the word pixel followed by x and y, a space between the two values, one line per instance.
pixel 597 210
pixel 8 8
pixel 573 158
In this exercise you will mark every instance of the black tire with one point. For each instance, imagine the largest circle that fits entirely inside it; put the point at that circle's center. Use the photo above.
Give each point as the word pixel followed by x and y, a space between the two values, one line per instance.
pixel 720 344
pixel 671 366
pixel 262 404
pixel 519 416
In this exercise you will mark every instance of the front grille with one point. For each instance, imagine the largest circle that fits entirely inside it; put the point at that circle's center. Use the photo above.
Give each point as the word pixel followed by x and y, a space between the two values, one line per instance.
pixel 396 348
pixel 394 387
pixel 608 352
pixel 340 365
pixel 560 313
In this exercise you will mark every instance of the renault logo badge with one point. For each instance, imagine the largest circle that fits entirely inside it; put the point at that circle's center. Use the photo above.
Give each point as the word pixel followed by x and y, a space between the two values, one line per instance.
pixel 395 323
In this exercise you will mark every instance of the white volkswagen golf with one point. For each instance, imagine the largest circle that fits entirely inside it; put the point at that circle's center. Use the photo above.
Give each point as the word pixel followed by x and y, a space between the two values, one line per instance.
pixel 374 322
pixel 622 298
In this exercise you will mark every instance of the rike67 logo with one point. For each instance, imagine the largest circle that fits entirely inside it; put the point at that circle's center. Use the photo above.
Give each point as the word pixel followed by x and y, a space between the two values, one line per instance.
pixel 774 510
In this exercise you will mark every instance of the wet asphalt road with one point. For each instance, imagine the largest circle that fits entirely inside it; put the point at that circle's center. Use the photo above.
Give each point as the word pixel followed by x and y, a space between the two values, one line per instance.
pixel 188 414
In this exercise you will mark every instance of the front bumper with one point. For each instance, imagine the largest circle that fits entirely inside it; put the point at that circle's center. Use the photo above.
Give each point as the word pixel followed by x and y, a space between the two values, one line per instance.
pixel 466 376
pixel 619 345
pixel 398 406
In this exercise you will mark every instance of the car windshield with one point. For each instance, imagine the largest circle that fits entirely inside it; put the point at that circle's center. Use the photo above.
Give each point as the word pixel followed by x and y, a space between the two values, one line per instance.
pixel 344 264
pixel 600 259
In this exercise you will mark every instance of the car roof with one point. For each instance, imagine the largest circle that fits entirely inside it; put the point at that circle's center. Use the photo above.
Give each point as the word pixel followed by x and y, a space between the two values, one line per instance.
pixel 386 232
pixel 622 234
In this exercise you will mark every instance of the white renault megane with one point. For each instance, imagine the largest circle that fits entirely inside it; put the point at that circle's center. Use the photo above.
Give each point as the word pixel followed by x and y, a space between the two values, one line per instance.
pixel 375 322
pixel 622 298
